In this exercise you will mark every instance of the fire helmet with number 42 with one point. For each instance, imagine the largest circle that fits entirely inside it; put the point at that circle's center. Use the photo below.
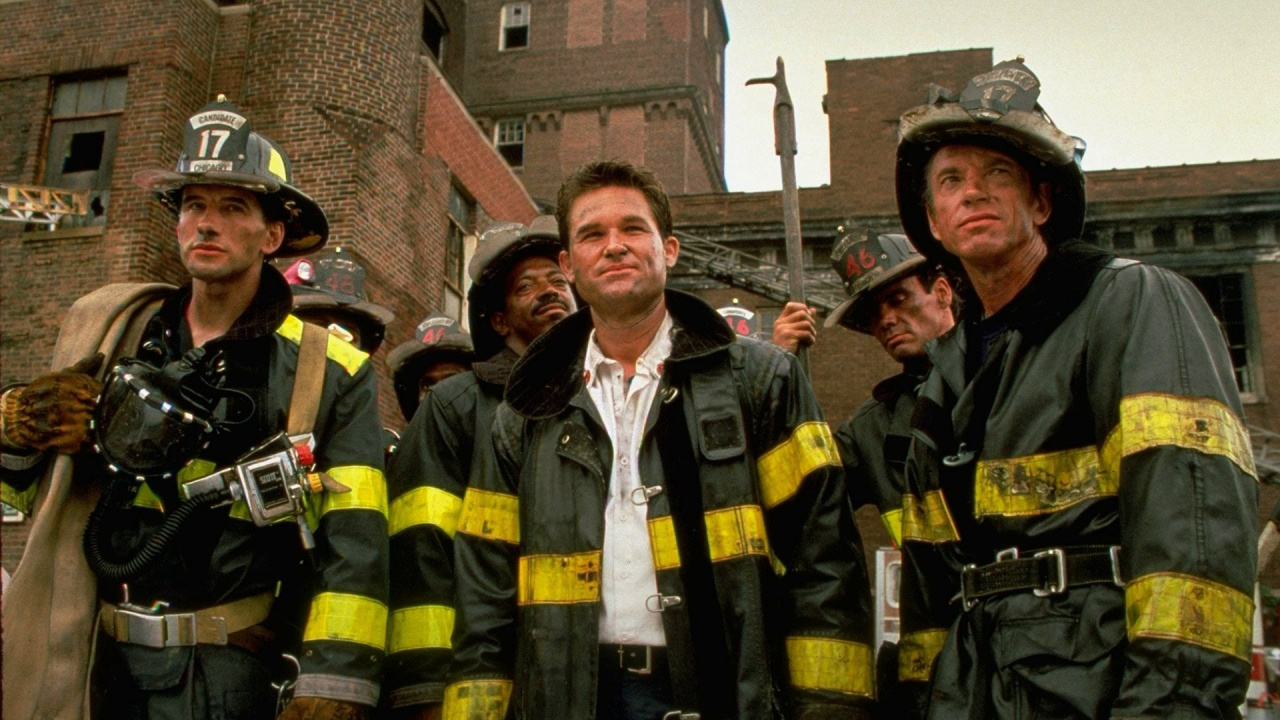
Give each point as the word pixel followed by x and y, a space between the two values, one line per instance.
pixel 220 148
pixel 866 263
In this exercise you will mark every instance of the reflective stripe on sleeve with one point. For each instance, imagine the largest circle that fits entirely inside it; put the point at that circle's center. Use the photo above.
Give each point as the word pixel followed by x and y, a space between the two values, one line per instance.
pixel 346 617
pixel 477 700
pixel 491 515
pixel 425 506
pixel 559 579
pixel 368 490
pixel 916 653
pixel 1043 483
pixel 419 627
pixel 784 467
pixel 831 665
pixel 1184 608
pixel 1154 419
pixel 927 520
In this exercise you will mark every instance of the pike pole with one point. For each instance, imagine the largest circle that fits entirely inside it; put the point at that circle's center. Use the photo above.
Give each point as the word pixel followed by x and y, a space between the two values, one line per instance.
pixel 784 143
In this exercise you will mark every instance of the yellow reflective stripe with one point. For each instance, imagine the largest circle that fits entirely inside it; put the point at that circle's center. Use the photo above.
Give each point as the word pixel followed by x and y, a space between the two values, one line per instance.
pixel 1184 608
pixel 559 579
pixel 927 520
pixel 419 627
pixel 275 165
pixel 477 700
pixel 893 523
pixel 491 515
pixel 916 653
pixel 22 501
pixel 425 506
pixel 346 617
pixel 336 349
pixel 1154 419
pixel 1043 483
pixel 831 665
pixel 736 532
pixel 662 541
pixel 368 490
pixel 786 465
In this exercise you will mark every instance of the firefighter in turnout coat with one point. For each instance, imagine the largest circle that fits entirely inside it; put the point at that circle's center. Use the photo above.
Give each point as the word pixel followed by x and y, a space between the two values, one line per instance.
pixel 1081 517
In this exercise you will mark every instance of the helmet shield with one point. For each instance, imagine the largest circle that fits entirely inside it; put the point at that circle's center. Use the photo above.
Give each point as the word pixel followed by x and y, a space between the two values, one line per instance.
pixel 220 148
pixel 999 110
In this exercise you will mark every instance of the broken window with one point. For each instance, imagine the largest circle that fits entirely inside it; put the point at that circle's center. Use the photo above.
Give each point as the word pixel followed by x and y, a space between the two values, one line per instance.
pixel 1226 295
pixel 515 26
pixel 508 138
pixel 83 124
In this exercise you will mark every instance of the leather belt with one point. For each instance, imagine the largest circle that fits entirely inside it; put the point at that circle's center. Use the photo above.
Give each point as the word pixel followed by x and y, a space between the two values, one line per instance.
pixel 637 659
pixel 1044 572
pixel 156 628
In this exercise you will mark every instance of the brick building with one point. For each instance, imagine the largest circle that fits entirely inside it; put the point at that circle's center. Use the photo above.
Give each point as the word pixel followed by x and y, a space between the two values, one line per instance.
pixel 96 90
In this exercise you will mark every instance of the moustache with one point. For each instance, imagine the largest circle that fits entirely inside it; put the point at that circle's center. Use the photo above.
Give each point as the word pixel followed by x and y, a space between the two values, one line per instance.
pixel 549 301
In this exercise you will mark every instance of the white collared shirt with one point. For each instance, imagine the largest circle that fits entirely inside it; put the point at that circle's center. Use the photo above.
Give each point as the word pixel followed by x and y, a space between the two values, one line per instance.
pixel 627 575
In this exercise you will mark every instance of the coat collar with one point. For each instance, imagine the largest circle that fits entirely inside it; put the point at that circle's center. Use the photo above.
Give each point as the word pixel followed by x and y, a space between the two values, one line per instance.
pixel 497 369
pixel 266 312
pixel 549 374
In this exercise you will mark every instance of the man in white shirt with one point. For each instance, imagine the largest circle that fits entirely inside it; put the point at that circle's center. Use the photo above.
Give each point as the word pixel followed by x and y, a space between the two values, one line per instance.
pixel 664 534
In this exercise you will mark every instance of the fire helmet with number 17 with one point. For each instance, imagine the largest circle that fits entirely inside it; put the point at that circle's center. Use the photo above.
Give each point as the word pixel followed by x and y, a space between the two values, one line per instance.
pixel 997 110
pixel 219 148
pixel 866 263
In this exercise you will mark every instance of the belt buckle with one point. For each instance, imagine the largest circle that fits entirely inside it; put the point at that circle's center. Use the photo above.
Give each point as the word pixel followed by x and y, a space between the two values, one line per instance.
pixel 1054 588
pixel 155 630
pixel 648 661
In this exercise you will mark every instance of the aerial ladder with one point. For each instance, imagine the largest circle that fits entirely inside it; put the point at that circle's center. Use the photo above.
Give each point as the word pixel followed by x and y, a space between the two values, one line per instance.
pixel 40 205
pixel 738 269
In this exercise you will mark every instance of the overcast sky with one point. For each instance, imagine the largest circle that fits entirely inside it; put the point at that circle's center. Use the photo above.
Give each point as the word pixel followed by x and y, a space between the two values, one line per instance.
pixel 1150 82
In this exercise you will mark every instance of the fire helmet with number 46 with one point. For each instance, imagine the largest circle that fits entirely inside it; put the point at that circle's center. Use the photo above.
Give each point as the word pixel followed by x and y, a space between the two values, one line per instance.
pixel 866 263
pixel 328 290
pixel 219 148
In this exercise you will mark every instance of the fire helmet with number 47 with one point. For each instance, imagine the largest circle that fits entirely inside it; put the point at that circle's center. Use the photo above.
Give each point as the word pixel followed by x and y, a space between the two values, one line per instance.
pixel 866 263
pixel 219 148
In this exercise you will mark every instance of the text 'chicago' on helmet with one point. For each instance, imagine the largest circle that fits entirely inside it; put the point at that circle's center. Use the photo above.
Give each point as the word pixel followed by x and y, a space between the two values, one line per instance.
pixel 867 262
pixel 997 109
pixel 497 251
pixel 220 148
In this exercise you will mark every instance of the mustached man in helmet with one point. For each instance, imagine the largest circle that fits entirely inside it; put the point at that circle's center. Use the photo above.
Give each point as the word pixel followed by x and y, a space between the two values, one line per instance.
pixel 1081 517
pixel 664 532
pixel 904 301
pixel 328 290
pixel 518 292
pixel 440 349
pixel 204 567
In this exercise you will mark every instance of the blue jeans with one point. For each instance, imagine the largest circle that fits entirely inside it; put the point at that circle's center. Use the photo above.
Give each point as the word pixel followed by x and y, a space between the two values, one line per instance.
pixel 625 695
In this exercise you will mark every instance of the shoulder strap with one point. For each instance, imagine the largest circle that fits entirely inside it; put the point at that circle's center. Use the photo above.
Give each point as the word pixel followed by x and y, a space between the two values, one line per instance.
pixel 308 379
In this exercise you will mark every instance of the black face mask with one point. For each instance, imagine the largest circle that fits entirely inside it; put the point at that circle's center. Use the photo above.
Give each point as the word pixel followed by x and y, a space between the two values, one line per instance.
pixel 150 421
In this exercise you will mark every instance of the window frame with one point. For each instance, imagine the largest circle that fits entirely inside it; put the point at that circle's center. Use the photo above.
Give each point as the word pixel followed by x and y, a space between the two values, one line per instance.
pixel 65 123
pixel 499 143
pixel 457 232
pixel 506 21
pixel 1252 330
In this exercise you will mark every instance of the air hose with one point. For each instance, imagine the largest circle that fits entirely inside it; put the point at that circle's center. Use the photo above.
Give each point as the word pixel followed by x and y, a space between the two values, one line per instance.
pixel 97 533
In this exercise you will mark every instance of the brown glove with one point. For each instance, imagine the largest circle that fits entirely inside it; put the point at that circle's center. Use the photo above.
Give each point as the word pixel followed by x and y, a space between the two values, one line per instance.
pixel 314 708
pixel 53 412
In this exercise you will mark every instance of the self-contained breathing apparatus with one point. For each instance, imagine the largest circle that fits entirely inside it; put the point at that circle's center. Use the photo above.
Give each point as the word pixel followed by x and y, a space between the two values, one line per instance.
pixel 151 422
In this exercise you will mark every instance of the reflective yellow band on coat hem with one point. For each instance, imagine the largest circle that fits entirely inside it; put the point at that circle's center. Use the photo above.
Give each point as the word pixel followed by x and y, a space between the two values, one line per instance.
pixel 784 467
pixel 928 519
pixel 893 523
pixel 491 515
pixel 662 542
pixel 832 665
pixel 349 618
pixel 477 700
pixel 1184 608
pixel 916 653
pixel 558 579
pixel 368 490
pixel 1042 483
pixel 1154 419
pixel 420 627
pixel 425 506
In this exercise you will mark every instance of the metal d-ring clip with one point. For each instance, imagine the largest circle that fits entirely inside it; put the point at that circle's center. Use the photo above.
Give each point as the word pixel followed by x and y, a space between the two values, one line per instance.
pixel 963 456
pixel 642 495
pixel 659 603
pixel 1060 560
pixel 669 394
